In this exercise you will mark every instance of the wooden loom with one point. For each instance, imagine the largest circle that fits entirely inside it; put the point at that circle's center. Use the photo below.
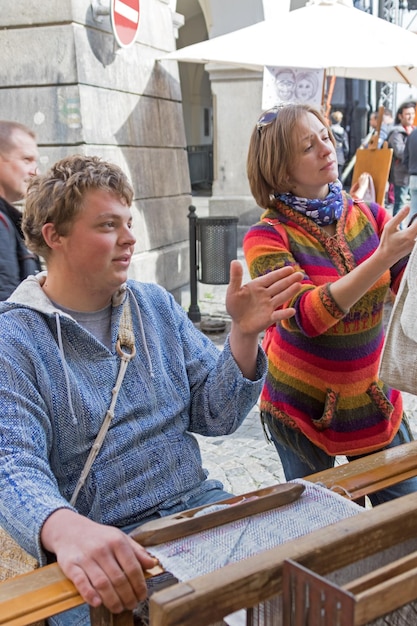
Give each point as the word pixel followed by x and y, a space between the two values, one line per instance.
pixel 47 591
pixel 260 579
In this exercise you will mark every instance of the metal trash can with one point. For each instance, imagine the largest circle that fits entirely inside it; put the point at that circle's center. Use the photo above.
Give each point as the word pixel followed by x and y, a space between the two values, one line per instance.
pixel 216 248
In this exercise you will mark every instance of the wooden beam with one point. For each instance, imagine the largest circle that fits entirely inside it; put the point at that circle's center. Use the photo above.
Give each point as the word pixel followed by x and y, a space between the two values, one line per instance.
pixel 370 473
pixel 256 579
pixel 44 592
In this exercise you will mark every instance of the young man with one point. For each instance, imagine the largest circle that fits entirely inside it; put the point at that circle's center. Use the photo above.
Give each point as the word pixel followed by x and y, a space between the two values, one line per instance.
pixel 59 363
pixel 403 126
pixel 18 163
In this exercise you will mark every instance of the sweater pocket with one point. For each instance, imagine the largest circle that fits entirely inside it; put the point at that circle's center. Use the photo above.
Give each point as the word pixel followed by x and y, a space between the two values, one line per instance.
pixel 339 415
pixel 354 425
pixel 380 400
pixel 329 411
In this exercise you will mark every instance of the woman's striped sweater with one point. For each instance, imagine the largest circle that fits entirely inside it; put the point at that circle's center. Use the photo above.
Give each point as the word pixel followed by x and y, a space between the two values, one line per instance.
pixel 323 362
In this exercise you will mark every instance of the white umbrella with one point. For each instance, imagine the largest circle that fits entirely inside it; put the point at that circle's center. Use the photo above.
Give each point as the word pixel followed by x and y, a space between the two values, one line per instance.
pixel 327 34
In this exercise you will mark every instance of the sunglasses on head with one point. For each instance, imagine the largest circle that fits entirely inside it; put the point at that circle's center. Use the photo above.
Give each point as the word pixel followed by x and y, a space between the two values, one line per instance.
pixel 270 116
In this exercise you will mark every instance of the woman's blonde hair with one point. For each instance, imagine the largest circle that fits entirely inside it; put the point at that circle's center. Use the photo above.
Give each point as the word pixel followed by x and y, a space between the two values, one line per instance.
pixel 272 151
pixel 57 196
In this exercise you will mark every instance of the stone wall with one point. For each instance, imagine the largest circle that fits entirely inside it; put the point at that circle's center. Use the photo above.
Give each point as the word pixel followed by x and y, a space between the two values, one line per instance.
pixel 63 75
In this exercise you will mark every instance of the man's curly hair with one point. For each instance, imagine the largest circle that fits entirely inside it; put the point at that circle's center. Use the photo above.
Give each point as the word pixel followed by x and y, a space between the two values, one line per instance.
pixel 57 196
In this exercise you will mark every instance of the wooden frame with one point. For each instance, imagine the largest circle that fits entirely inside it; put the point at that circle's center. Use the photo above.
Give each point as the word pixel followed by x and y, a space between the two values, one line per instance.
pixel 260 578
pixel 356 603
pixel 46 591
pixel 376 161
pixel 370 473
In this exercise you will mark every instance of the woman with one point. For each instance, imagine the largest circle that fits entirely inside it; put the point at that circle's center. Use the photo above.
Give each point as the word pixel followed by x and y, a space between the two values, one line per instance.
pixel 306 87
pixel 322 397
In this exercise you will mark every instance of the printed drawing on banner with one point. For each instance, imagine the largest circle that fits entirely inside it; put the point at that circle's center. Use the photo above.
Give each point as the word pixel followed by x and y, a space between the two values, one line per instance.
pixel 291 84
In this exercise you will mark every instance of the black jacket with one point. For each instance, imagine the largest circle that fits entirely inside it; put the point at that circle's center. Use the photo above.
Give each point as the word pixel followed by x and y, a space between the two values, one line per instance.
pixel 398 172
pixel 410 153
pixel 16 261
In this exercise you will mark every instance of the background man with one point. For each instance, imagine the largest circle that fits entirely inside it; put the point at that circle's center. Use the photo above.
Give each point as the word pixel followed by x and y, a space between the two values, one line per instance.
pixel 18 163
pixel 403 126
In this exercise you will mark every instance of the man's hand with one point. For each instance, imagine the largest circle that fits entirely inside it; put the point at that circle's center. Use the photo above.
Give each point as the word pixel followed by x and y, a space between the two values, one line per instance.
pixel 105 565
pixel 254 306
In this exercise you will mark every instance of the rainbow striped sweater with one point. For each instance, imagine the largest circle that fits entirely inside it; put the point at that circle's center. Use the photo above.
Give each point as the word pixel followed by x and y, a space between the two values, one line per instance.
pixel 323 362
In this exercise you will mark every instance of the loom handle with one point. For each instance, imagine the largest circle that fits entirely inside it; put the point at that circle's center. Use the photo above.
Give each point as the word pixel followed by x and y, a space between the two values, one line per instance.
pixel 186 523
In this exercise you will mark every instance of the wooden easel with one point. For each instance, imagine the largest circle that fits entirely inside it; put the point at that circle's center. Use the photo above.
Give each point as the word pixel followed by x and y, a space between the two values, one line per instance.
pixel 376 161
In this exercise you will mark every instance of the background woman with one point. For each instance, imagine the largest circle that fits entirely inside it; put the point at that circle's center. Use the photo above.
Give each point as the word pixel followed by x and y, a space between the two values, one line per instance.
pixel 322 396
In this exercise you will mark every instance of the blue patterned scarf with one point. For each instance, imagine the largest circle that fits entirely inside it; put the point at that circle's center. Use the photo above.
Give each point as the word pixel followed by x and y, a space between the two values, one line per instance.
pixel 322 212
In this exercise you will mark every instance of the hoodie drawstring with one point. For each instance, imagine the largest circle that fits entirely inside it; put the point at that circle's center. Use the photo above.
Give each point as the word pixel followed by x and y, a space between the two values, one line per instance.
pixel 126 350
pixel 142 335
pixel 65 367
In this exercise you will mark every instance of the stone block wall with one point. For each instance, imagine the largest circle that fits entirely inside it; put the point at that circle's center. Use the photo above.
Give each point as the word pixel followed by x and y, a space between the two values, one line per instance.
pixel 63 75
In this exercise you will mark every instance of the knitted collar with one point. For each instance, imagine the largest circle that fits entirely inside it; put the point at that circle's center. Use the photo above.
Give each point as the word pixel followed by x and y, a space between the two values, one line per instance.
pixel 322 212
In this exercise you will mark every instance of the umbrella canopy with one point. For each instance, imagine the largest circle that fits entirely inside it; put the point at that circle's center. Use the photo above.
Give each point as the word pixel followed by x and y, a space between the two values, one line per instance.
pixel 327 34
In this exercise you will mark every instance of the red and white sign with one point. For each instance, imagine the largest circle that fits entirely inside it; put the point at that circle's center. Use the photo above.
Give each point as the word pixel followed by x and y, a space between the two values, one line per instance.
pixel 124 15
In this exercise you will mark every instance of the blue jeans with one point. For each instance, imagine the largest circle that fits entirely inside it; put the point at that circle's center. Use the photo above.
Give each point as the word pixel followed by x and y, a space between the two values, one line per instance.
pixel 301 457
pixel 81 615
pixel 400 198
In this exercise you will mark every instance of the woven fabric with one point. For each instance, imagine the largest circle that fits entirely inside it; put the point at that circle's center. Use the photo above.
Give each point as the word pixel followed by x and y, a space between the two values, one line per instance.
pixel 398 366
pixel 209 550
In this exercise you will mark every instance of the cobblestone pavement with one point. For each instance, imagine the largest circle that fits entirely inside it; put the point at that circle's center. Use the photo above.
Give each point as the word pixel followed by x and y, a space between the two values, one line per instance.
pixel 245 460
